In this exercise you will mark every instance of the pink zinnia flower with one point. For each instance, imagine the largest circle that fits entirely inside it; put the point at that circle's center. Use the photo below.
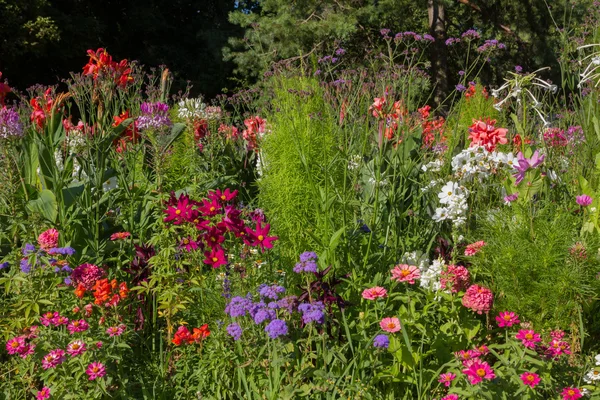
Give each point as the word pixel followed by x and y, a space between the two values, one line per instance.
pixel 15 345
pixel 60 320
pixel 478 371
pixel 474 248
pixel 99 345
pixel 76 347
pixel 466 355
pixel 478 299
pixel 87 275
pixel 43 394
pixel 557 347
pixel 120 236
pixel 374 293
pixel 48 239
pixel 405 273
pixel 26 350
pixel 116 330
pixel 390 324
pixel 54 358
pixel 530 379
pixel 450 397
pixel 95 370
pixel 506 319
pixel 583 200
pixel 571 393
pixel 455 278
pixel 46 319
pixel 447 378
pixel 528 337
pixel 78 326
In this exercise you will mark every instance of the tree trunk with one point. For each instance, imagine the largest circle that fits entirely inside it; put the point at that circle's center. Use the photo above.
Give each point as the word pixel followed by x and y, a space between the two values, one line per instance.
pixel 439 51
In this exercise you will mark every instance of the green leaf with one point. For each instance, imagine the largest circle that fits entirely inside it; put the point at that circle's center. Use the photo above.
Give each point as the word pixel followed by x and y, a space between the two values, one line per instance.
pixel 45 205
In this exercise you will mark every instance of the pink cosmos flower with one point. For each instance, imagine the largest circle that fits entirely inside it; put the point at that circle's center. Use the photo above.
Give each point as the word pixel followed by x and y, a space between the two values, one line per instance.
pixel 54 358
pixel 506 319
pixel 43 394
pixel 95 370
pixel 15 345
pixel 528 337
pixel 478 371
pixel 405 273
pixel 474 248
pixel 390 324
pixel 78 326
pixel 116 330
pixel 583 200
pixel 450 397
pixel 455 278
pixel 530 379
pixel 571 393
pixel 478 299
pixel 76 347
pixel 374 293
pixel 48 239
pixel 447 378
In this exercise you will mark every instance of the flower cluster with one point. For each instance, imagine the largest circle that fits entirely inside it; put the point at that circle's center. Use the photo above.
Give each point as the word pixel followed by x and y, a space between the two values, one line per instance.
pixel 10 124
pixel 184 336
pixel 154 116
pixel 484 133
pixel 478 299
pixel 102 65
pixel 454 278
pixel 524 164
pixel 255 128
pixel 308 263
pixel 474 248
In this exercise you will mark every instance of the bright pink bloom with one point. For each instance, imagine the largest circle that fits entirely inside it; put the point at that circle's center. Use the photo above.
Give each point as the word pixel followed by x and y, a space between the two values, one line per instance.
pixel 455 278
pixel 484 133
pixel 224 196
pixel 43 394
pixel 95 370
pixel 60 320
pixel 447 378
pixel 181 211
pixel 188 244
pixel 46 318
pixel 87 275
pixel 54 358
pixel 530 379
pixel 571 393
pixel 557 347
pixel 261 237
pixel 99 345
pixel 584 200
pixel 115 330
pixel 506 319
pixel 390 324
pixel 478 299
pixel 467 355
pixel 78 326
pixel 478 371
pixel 474 248
pixel 26 350
pixel 377 106
pixel 405 273
pixel 48 239
pixel 528 337
pixel 481 350
pixel 374 293
pixel 15 345
pixel 120 236
pixel 76 347
pixel 450 397
pixel 215 258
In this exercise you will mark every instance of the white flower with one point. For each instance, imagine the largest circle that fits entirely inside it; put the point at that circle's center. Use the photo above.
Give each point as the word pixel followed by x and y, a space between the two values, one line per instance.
pixel 430 275
pixel 449 192
pixel 416 258
pixel 191 108
pixel 593 209
pixel 441 214
pixel 433 166
pixel 354 162
pixel 597 358
pixel 593 375
pixel 110 184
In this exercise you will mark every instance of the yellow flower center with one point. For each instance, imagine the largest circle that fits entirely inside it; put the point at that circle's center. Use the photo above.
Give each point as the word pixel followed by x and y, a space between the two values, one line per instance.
pixel 75 346
pixel 212 209
pixel 14 345
pixel 391 325
pixel 481 372
pixel 223 197
pixel 530 378
pixel 405 272
pixel 528 336
pixel 215 259
pixel 571 392
pixel 185 241
pixel 95 369
pixel 449 193
pixel 261 238
pixel 177 212
pixel 507 317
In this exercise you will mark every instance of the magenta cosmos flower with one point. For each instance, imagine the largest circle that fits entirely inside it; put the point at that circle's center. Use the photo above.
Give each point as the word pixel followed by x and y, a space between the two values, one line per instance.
pixel 584 200
pixel 506 319
pixel 530 379
pixel 43 394
pixel 75 348
pixel 95 370
pixel 374 293
pixel 405 273
pixel 390 324
pixel 528 337
pixel 261 237
pixel 447 378
pixel 478 299
pixel 571 393
pixel 478 371
pixel 48 239
pixel 54 358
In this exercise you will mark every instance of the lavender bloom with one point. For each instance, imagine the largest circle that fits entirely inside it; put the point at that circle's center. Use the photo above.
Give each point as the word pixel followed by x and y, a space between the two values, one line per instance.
pixel 518 69
pixel 384 32
pixel 154 116
pixel 67 281
pixel 451 41
pixel 28 249
pixel 253 308
pixel 56 270
pixel 584 200
pixel 461 72
pixel 428 37
pixel 288 303
pixel 510 198
pixel 381 341
pixel 25 266
pixel 525 163
pixel 312 312
pixel 340 52
pixel 66 268
pixel 235 331
pixel 270 292
pixel 10 125
pixel 65 251
pixel 238 306
pixel 308 255
pixel 264 314
pixel 4 265
pixel 471 34
pixel 276 328
pixel 490 44
pixel 273 305
pixel 461 88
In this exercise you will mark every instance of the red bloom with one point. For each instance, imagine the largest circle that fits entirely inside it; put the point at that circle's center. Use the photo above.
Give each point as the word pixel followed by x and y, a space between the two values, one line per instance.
pixel 129 135
pixel 261 237
pixel 102 290
pixel 102 64
pixel 80 291
pixel 181 336
pixel 182 212
pixel 200 333
pixel 224 196
pixel 120 236
pixel 210 208
pixel 215 257
pixel 484 133
pixel 42 108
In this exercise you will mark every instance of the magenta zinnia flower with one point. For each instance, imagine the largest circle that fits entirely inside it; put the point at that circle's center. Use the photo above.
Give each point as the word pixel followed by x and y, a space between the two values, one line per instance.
pixel 528 337
pixel 506 319
pixel 447 378
pixel 374 293
pixel 46 318
pixel 571 393
pixel 43 394
pixel 95 370
pixel 48 239
pixel 116 330
pixel 54 358
pixel 584 200
pixel 478 371
pixel 87 275
pixel 450 397
pixel 390 324
pixel 405 273
pixel 455 278
pixel 15 345
pixel 478 299
pixel 78 326
pixel 530 379
pixel 76 347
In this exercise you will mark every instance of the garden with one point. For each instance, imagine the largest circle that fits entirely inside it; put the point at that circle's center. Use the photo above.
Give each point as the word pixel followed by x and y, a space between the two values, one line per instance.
pixel 333 231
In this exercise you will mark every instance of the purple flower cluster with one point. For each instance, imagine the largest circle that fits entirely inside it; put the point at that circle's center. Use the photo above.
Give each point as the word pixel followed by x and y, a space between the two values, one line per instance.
pixel 65 251
pixel 234 330
pixel 490 44
pixel 312 312
pixel 460 88
pixel 4 265
pixel 276 328
pixel 308 263
pixel 154 116
pixel 400 36
pixel 471 34
pixel 327 59
pixel 238 306
pixel 452 41
pixel 381 341
pixel 10 125
pixel 270 292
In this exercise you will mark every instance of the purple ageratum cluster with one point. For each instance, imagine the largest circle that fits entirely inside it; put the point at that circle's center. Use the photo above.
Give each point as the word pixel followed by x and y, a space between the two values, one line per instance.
pixel 154 116
pixel 28 249
pixel 381 341
pixel 312 312
pixel 276 328
pixel 270 292
pixel 238 306
pixel 10 124
pixel 308 263
pixel 490 44
pixel 234 330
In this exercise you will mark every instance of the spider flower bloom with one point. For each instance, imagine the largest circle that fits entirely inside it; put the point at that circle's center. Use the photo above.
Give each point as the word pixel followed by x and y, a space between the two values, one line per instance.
pixel 43 394
pixel 584 200
pixel 95 370
pixel 530 379
pixel 48 239
pixel 484 133
pixel 447 378
pixel 120 236
pixel 10 125
pixel 374 293
pixel 571 393
pixel 506 319
pixel 381 341
pixel 76 348
pixel 528 337
pixel 154 116
pixel 390 324
pixel 54 358
pixel 478 371
pixel 15 345
pixel 478 299
pixel 474 248
pixel 455 278
pixel 405 273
